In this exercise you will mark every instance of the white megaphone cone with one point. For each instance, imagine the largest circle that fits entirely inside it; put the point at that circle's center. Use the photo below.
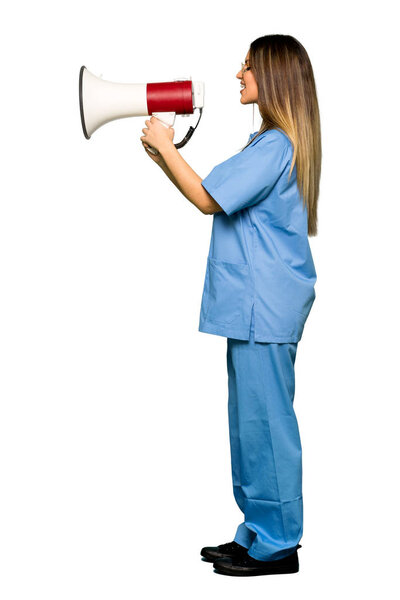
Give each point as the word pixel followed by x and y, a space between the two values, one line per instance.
pixel 103 101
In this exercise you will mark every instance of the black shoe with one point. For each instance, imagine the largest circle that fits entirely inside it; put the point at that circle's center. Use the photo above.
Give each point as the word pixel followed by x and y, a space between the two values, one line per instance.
pixel 229 550
pixel 246 565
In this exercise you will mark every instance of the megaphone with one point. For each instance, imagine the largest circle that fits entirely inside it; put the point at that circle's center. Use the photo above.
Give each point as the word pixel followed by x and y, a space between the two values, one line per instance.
pixel 103 101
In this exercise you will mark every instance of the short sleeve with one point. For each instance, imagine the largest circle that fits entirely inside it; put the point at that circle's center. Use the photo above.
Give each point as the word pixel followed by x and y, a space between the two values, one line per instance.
pixel 249 176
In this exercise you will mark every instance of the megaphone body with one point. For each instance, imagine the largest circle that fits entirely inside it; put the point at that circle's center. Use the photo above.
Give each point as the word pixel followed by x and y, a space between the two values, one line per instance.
pixel 103 101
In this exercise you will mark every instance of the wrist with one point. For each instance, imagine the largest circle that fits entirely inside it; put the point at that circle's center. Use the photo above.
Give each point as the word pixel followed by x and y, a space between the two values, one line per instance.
pixel 166 148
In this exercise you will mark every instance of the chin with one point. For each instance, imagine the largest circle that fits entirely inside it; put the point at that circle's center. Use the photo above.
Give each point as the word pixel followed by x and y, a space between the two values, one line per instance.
pixel 244 100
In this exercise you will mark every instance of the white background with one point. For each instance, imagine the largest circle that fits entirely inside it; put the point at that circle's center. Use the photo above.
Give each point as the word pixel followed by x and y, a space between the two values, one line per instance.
pixel 114 448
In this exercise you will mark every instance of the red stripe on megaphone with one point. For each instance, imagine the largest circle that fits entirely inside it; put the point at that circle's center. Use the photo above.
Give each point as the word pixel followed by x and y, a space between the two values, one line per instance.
pixel 170 96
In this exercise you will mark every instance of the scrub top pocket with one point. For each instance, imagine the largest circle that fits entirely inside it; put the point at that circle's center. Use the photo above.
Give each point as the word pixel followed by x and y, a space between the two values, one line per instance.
pixel 227 286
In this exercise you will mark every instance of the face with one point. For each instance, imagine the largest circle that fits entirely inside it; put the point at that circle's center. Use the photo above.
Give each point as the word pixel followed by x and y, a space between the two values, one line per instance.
pixel 249 93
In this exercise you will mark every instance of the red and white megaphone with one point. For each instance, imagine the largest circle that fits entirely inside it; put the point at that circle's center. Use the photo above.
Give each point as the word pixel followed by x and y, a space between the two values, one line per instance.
pixel 103 101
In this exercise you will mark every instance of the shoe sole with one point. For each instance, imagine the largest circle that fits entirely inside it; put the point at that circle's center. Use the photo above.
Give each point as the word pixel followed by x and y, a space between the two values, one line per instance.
pixel 243 573
pixel 212 559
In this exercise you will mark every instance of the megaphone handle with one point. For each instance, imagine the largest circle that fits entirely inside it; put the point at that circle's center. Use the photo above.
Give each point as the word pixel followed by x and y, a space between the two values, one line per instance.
pixel 185 139
pixel 153 151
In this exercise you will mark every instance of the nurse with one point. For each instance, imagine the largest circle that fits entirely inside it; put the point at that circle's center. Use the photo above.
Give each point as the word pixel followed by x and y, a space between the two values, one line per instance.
pixel 258 292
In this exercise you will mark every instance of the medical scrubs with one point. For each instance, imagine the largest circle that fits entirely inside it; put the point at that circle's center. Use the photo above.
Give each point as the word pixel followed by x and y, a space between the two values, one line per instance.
pixel 258 292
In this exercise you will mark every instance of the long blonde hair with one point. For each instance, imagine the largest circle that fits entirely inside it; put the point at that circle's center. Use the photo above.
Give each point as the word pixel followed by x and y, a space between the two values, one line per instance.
pixel 287 99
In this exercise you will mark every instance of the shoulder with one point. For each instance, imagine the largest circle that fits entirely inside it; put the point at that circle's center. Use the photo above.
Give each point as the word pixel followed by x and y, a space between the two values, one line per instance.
pixel 277 136
pixel 282 135
pixel 271 142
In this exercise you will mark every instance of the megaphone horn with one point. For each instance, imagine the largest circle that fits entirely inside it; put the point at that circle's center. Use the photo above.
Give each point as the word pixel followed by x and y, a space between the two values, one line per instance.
pixel 103 101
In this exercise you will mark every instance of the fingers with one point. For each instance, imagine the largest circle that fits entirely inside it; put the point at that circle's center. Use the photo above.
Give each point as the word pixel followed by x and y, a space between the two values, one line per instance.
pixel 145 130
pixel 143 137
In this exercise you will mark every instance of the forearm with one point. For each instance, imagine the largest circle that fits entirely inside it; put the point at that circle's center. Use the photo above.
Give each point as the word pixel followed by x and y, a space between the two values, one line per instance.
pixel 186 180
pixel 168 173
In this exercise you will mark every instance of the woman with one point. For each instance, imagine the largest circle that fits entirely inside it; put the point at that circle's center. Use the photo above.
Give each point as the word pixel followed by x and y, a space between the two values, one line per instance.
pixel 258 292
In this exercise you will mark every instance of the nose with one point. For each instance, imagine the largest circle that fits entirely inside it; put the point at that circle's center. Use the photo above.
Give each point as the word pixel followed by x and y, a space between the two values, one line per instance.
pixel 239 74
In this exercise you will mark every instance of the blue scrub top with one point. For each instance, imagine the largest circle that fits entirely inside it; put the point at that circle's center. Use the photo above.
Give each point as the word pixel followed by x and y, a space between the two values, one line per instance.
pixel 259 257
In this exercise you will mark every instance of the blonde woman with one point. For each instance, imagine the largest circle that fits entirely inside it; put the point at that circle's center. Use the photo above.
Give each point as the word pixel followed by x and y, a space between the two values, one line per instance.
pixel 258 293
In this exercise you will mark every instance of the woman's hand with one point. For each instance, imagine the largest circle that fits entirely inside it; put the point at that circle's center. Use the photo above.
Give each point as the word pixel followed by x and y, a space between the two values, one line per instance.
pixel 157 158
pixel 157 135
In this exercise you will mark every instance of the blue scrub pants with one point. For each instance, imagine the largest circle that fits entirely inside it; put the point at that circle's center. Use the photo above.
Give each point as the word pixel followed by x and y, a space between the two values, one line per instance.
pixel 266 452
